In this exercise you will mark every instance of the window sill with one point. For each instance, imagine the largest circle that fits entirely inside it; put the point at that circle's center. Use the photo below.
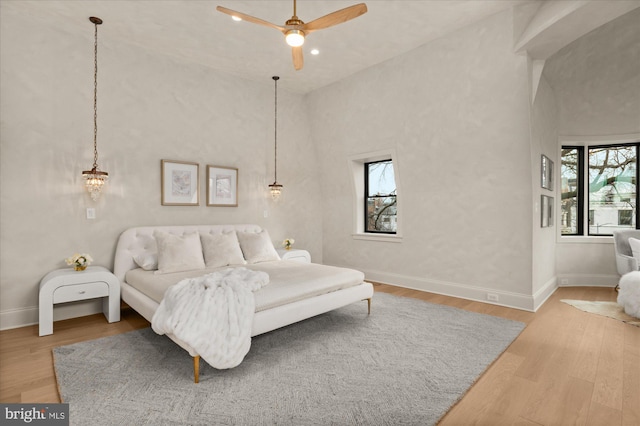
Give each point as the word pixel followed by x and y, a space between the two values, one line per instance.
pixel 389 238
pixel 582 239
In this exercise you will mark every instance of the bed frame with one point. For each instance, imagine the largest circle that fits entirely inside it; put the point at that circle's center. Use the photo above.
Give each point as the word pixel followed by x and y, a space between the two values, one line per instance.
pixel 135 241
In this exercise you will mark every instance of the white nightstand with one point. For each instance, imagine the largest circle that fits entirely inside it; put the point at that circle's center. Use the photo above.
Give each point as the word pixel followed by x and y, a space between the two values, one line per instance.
pixel 295 254
pixel 67 285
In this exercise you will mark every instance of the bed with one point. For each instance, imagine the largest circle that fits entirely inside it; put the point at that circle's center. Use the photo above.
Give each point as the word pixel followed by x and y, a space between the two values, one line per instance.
pixel 296 290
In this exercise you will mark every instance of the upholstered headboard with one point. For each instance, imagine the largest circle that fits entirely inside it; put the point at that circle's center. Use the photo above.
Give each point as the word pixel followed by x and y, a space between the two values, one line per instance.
pixel 136 241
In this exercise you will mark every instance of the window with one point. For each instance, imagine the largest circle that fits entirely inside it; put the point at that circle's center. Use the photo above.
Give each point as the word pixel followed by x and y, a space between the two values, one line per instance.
pixel 571 186
pixel 625 217
pixel 380 197
pixel 610 184
pixel 372 186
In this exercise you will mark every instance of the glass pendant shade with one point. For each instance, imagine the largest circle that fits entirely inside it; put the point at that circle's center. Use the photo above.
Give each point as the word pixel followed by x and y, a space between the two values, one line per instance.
pixel 276 189
pixel 94 181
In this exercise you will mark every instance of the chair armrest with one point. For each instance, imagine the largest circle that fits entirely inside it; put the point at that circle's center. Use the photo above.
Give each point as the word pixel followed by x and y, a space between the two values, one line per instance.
pixel 626 264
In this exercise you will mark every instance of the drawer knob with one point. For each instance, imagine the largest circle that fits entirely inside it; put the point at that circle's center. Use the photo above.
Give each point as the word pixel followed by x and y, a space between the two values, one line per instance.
pixel 82 292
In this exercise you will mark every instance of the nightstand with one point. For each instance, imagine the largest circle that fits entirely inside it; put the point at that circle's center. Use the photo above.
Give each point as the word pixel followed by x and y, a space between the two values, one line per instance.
pixel 67 285
pixel 302 256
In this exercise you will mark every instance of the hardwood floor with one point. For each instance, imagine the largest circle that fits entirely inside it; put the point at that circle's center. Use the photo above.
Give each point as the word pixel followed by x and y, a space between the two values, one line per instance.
pixel 566 367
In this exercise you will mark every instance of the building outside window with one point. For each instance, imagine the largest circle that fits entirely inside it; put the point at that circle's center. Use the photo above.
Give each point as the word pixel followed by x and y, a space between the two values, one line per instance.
pixel 381 206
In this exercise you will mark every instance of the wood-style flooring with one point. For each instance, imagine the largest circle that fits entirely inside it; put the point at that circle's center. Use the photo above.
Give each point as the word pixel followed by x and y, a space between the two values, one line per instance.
pixel 567 367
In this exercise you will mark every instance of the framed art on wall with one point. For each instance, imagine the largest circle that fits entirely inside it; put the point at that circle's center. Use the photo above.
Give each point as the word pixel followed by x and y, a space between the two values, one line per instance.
pixel 179 183
pixel 546 211
pixel 222 186
pixel 546 173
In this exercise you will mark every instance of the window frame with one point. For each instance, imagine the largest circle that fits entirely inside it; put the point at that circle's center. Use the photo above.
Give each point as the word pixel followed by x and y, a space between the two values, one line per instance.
pixel 579 190
pixel 367 197
pixel 585 179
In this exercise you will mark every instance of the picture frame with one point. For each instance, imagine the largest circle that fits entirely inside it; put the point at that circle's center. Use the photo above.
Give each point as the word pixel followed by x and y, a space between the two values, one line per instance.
pixel 546 173
pixel 546 211
pixel 222 186
pixel 179 183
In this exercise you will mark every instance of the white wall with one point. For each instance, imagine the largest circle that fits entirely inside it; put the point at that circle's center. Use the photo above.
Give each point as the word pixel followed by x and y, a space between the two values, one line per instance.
pixel 597 84
pixel 150 108
pixel 456 112
pixel 544 140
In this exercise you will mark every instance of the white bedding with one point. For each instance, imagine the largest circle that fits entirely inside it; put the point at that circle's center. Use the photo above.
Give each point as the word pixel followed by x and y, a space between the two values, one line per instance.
pixel 289 281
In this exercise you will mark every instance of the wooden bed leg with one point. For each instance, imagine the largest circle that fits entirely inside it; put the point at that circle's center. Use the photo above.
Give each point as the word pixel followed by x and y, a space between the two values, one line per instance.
pixel 196 369
pixel 369 306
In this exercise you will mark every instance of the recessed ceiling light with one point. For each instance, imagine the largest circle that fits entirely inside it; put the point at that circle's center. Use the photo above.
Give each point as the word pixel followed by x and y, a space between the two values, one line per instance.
pixel 315 51
pixel 236 18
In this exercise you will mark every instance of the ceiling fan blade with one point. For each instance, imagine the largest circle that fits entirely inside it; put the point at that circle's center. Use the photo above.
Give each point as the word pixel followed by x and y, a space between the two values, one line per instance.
pixel 249 18
pixel 335 18
pixel 298 60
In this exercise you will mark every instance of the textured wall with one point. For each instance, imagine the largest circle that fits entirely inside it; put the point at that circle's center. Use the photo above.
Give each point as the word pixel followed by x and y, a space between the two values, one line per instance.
pixel 455 110
pixel 544 140
pixel 597 82
pixel 150 108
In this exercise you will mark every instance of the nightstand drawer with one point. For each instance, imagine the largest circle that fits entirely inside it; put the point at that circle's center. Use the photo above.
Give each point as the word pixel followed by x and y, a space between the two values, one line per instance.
pixel 70 293
pixel 296 255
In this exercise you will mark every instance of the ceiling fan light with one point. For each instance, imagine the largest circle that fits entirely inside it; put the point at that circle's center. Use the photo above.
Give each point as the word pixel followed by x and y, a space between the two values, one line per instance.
pixel 295 38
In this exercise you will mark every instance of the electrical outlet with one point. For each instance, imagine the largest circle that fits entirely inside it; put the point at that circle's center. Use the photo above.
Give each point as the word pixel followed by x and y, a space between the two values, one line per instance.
pixel 91 213
pixel 492 297
pixel 265 214
pixel 564 281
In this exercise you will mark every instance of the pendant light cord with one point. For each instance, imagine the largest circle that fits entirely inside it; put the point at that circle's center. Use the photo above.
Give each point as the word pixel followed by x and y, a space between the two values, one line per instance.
pixel 275 131
pixel 95 98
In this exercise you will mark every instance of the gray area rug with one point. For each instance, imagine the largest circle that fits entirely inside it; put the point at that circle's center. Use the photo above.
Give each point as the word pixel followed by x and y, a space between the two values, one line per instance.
pixel 406 364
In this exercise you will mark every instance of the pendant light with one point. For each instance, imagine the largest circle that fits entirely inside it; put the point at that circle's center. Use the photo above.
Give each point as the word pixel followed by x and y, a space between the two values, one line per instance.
pixel 94 178
pixel 275 188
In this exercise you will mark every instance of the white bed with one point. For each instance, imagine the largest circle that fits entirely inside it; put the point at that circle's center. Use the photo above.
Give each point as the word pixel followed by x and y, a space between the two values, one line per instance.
pixel 296 291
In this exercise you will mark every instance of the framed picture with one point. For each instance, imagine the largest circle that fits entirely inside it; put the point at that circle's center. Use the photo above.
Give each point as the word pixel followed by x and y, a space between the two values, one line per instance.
pixel 222 186
pixel 546 211
pixel 546 173
pixel 179 183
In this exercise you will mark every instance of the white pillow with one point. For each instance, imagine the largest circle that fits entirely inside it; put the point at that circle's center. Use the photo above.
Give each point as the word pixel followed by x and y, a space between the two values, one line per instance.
pixel 634 243
pixel 147 261
pixel 178 253
pixel 257 247
pixel 221 250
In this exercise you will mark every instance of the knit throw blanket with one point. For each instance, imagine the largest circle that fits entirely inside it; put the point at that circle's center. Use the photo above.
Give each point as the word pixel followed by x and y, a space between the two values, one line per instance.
pixel 213 314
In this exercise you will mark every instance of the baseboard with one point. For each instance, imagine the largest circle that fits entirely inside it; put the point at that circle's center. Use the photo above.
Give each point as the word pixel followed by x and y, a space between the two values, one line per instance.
pixel 587 280
pixel 541 296
pixel 16 318
pixel 479 294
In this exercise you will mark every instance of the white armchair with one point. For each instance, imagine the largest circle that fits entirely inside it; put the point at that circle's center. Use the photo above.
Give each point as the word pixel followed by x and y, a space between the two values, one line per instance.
pixel 624 257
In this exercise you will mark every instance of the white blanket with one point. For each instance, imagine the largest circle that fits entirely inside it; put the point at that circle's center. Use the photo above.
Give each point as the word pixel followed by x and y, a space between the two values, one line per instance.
pixel 213 314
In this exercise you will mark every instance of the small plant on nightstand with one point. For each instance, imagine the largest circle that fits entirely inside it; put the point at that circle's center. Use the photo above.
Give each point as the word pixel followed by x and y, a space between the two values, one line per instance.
pixel 287 243
pixel 79 261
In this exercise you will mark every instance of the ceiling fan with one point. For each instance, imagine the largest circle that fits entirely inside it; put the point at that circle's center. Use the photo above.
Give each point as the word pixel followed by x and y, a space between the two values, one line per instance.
pixel 295 30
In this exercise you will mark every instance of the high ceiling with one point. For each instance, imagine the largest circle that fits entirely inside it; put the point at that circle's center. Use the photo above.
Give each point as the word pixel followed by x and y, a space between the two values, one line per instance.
pixel 192 30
